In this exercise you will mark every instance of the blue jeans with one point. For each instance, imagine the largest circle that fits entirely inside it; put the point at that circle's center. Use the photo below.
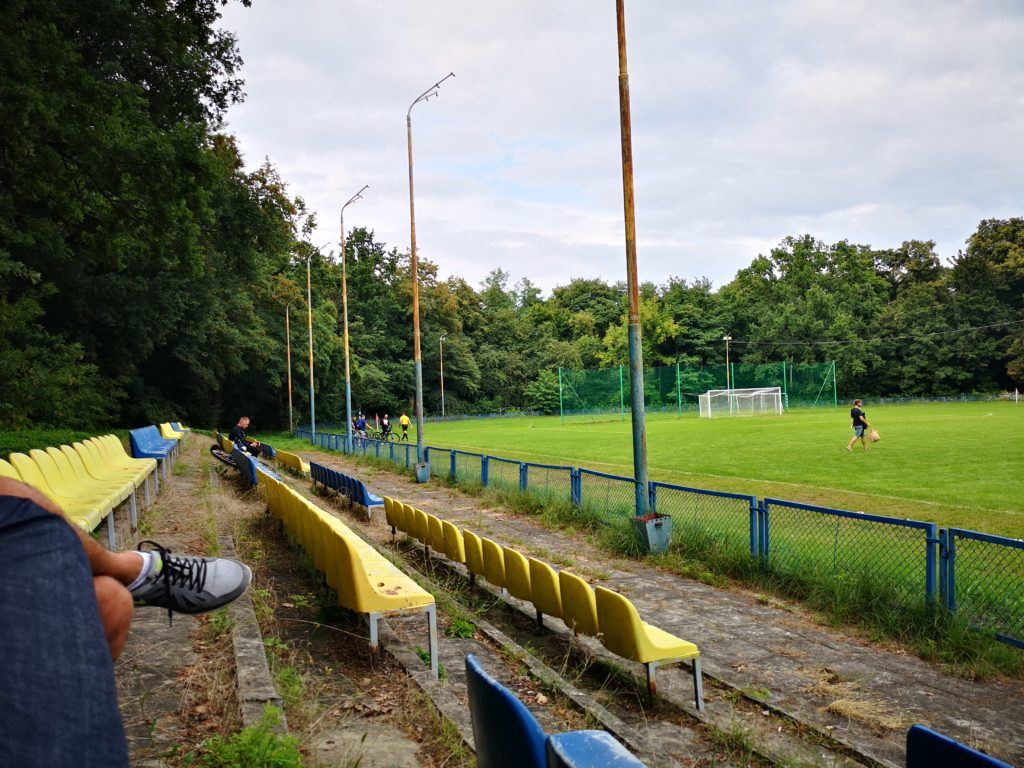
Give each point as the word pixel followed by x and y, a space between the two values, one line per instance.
pixel 58 700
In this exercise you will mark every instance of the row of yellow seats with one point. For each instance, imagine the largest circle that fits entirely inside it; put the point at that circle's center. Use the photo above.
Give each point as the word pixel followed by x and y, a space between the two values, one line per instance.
pixel 599 612
pixel 293 462
pixel 87 480
pixel 365 581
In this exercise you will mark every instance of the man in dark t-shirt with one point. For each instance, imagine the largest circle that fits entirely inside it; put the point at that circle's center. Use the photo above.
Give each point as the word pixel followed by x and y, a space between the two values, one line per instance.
pixel 237 436
pixel 860 426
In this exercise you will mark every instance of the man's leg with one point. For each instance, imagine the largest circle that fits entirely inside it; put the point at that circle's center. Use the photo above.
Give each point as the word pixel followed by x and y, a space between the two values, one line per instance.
pixel 57 691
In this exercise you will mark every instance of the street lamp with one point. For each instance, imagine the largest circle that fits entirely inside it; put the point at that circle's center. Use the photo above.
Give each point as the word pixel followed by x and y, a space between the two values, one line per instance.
pixel 422 469
pixel 344 303
pixel 442 374
pixel 636 356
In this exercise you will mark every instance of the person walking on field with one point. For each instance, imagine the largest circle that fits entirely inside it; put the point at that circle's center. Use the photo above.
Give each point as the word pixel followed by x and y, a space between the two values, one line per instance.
pixel 404 422
pixel 860 426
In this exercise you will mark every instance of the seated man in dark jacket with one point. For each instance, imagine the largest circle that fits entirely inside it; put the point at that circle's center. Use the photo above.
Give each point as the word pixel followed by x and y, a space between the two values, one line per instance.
pixel 237 436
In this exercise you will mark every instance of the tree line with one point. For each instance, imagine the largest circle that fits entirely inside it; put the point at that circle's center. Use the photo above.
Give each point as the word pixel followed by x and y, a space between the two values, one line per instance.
pixel 145 274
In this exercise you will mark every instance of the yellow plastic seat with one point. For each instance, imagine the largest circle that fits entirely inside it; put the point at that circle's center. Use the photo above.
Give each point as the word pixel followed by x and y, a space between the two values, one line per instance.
pixel 579 606
pixel 389 513
pixel 517 574
pixel 226 444
pixel 107 500
pixel 474 549
pixel 398 515
pixel 77 476
pixel 453 545
pixel 170 433
pixel 625 634
pixel 422 527
pixel 8 470
pixel 436 535
pixel 85 514
pixel 411 523
pixel 137 469
pixel 95 465
pixel 547 596
pixel 293 462
pixel 494 562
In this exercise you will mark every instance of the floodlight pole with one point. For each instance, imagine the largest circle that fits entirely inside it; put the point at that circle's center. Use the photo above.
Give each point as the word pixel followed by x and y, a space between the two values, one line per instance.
pixel 636 354
pixel 309 319
pixel 288 357
pixel 441 344
pixel 422 469
pixel 728 387
pixel 344 303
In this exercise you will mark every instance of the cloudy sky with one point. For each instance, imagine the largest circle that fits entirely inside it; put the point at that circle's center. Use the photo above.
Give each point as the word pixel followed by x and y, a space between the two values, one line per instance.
pixel 874 122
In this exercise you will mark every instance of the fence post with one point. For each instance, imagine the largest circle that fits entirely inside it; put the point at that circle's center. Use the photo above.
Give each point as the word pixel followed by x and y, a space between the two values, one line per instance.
pixel 947 569
pixel 575 487
pixel 522 476
pixel 931 543
pixel 652 490
pixel 754 526
pixel 485 470
pixel 451 466
pixel 763 539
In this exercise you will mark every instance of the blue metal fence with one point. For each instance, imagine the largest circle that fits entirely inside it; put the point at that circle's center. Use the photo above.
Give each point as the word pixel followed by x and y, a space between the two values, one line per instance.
pixel 976 574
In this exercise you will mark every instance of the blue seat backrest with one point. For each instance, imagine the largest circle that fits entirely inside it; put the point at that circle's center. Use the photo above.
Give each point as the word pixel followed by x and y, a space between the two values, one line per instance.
pixel 146 442
pixel 504 730
pixel 246 465
pixel 929 749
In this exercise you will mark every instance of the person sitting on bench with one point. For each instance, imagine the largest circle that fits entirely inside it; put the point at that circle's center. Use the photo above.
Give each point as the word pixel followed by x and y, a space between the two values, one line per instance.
pixel 237 436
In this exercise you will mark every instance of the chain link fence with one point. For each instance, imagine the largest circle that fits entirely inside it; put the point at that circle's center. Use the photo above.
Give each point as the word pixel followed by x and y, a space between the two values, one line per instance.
pixel 708 521
pixel 983 578
pixel 894 556
pixel 610 496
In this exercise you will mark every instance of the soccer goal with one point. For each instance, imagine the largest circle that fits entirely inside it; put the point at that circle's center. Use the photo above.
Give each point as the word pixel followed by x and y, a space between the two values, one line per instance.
pixel 756 401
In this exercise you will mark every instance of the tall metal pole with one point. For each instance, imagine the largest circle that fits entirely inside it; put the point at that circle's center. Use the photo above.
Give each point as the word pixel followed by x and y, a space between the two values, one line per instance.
pixel 441 342
pixel 422 470
pixel 636 354
pixel 309 316
pixel 728 386
pixel 344 303
pixel 288 353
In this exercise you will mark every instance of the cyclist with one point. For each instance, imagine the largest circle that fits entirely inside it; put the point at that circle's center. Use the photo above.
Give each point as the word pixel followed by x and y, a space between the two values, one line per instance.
pixel 404 423
pixel 385 427
pixel 361 425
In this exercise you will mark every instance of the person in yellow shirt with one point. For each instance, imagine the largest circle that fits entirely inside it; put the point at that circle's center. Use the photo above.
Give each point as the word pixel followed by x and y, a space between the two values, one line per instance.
pixel 403 422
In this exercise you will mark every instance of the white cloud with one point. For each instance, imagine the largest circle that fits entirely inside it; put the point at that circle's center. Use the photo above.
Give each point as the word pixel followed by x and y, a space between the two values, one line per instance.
pixel 865 121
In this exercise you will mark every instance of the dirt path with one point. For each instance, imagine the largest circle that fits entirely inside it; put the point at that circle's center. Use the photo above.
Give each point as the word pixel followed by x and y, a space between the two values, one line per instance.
pixel 770 652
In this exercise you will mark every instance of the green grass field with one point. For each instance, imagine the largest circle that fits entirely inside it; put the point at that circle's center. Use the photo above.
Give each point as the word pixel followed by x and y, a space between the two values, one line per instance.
pixel 957 464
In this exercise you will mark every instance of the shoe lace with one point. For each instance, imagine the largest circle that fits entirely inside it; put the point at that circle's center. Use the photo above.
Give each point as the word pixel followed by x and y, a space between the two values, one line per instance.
pixel 189 573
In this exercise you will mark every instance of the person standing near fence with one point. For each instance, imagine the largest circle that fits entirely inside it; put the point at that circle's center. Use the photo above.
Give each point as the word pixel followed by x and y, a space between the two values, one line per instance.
pixel 860 426
pixel 404 422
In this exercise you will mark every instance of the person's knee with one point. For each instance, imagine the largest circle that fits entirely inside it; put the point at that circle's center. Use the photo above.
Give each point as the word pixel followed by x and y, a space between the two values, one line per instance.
pixel 115 606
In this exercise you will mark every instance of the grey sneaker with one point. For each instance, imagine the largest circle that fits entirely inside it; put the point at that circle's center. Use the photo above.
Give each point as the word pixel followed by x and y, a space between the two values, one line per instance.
pixel 189 584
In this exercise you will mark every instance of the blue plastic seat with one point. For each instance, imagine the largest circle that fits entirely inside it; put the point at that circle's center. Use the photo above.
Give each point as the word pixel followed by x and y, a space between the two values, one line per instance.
pixel 588 749
pixel 246 465
pixel 505 733
pixel 928 749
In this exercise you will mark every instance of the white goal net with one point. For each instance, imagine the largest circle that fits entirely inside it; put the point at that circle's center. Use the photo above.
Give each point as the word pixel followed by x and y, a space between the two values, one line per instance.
pixel 756 401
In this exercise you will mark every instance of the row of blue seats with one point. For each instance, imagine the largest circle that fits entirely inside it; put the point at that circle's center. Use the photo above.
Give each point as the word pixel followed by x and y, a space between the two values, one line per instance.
pixel 351 487
pixel 149 443
pixel 507 735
